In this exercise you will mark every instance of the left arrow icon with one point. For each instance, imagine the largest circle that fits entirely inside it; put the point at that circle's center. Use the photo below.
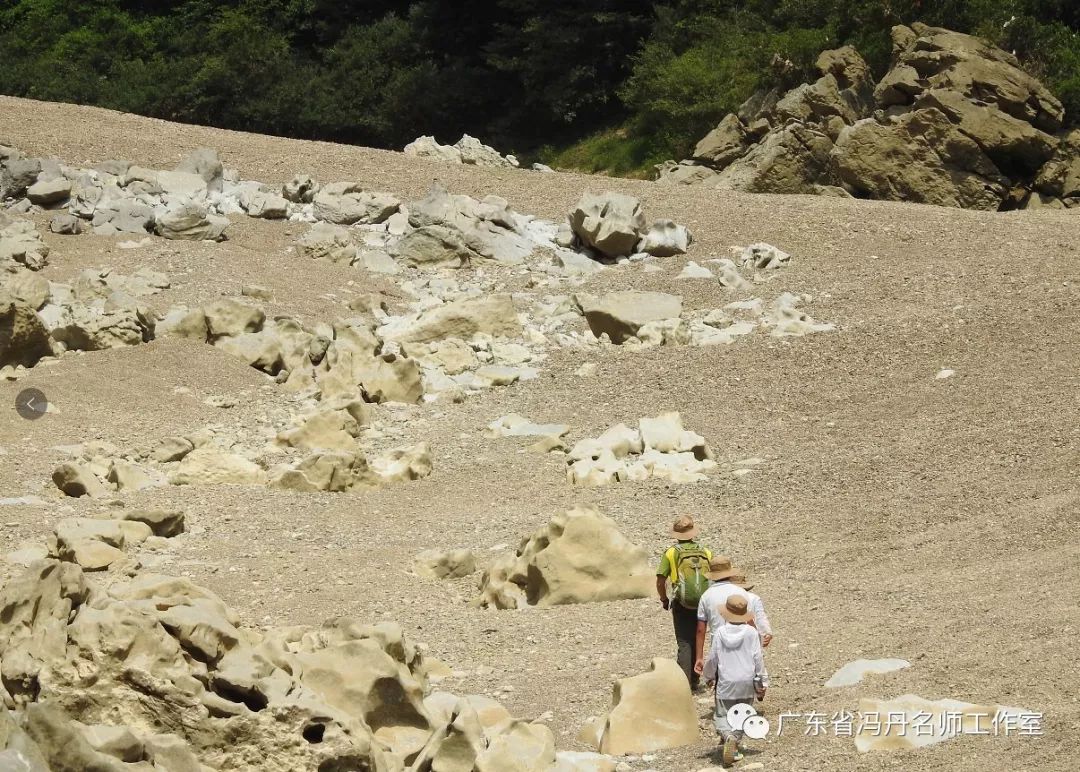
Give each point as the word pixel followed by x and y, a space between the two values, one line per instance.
pixel 31 404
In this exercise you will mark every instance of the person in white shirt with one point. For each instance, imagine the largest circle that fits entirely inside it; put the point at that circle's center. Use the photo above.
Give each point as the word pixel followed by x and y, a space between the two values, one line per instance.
pixel 737 668
pixel 757 608
pixel 713 599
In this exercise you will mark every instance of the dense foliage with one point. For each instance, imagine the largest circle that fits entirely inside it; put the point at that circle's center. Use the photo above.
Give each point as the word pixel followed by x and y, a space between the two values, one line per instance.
pixel 640 80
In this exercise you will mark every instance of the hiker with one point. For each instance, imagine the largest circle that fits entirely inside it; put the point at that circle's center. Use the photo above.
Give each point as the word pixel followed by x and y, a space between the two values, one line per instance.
pixel 685 566
pixel 736 667
pixel 757 608
pixel 713 599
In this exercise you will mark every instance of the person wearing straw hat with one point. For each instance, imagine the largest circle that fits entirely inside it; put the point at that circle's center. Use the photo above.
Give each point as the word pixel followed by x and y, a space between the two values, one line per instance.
pixel 713 599
pixel 685 566
pixel 757 608
pixel 737 669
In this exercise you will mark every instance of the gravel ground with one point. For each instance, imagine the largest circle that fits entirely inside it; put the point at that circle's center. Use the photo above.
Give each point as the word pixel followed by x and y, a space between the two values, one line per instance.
pixel 897 515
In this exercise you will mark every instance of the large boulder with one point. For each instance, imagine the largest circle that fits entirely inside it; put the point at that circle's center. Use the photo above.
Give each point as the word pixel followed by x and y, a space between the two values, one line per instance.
pixel 90 328
pixel 391 378
pixel 723 144
pixel 445 564
pixel 326 430
pixel 467 150
pixel 580 556
pixel 476 153
pixel 183 322
pixel 78 480
pixel 1060 177
pixel 791 159
pixel 325 241
pixel 332 472
pixel 622 314
pixel 845 90
pixel 264 205
pixel 213 466
pixel 611 223
pixel 21 245
pixel 126 216
pixel 191 222
pixel 433 246
pixel 650 712
pixel 261 350
pixel 1012 144
pixel 686 173
pixel 301 189
pixel 24 339
pixel 204 163
pixel 347 203
pixel 919 156
pixel 228 317
pixel 428 147
pixel 666 238
pixel 488 229
pixel 935 58
pixel 29 287
pixel 49 192
pixel 493 315
pixel 17 175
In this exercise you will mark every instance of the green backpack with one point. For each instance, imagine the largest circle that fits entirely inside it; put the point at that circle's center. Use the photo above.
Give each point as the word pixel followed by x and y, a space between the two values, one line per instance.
pixel 689 569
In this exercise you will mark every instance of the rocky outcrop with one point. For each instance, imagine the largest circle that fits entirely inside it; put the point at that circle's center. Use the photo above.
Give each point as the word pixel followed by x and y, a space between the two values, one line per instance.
pixel 649 712
pixel 23 338
pixel 21 245
pixel 621 315
pixel 922 157
pixel 467 150
pixel 658 447
pixel 611 223
pixel 954 122
pixel 580 556
pixel 155 672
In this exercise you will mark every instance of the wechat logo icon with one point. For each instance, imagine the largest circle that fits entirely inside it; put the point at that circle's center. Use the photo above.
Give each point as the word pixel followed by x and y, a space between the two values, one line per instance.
pixel 744 718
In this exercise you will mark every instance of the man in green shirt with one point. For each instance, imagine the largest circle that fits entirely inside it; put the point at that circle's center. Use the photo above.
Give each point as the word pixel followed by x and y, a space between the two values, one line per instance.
pixel 685 567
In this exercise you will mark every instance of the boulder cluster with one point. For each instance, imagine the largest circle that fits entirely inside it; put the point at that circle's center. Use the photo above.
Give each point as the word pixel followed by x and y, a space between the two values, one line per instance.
pixel 580 556
pixel 467 150
pixel 954 122
pixel 137 671
pixel 329 447
pixel 658 447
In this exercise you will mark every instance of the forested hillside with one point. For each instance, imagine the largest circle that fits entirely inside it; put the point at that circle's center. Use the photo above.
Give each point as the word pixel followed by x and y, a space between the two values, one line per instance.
pixel 622 83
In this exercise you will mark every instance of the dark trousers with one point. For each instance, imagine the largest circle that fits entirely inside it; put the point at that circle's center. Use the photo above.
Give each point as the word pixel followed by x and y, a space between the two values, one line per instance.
pixel 685 620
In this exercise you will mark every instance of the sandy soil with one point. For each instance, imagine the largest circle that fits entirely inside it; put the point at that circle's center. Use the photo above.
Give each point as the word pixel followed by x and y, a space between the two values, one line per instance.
pixel 897 515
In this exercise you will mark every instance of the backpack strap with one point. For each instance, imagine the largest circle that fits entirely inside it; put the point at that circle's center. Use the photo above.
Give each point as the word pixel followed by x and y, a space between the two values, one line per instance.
pixel 673 564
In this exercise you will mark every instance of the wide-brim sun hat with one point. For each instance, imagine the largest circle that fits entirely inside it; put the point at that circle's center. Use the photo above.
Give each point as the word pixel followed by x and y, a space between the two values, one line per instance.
pixel 740 579
pixel 684 528
pixel 720 568
pixel 736 610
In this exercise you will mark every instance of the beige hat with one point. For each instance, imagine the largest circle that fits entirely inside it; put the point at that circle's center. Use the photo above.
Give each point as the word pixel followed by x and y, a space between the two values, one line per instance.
pixel 740 579
pixel 720 568
pixel 684 528
pixel 735 610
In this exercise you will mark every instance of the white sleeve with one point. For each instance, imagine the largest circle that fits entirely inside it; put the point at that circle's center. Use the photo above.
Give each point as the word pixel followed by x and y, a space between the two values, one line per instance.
pixel 759 662
pixel 712 663
pixel 760 619
pixel 702 608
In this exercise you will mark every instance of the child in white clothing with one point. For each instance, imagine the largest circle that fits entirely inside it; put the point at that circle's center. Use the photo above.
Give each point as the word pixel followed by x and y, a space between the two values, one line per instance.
pixel 735 664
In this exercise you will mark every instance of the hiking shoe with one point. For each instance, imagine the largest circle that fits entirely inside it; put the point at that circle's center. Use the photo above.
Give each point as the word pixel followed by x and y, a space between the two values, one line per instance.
pixel 731 751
